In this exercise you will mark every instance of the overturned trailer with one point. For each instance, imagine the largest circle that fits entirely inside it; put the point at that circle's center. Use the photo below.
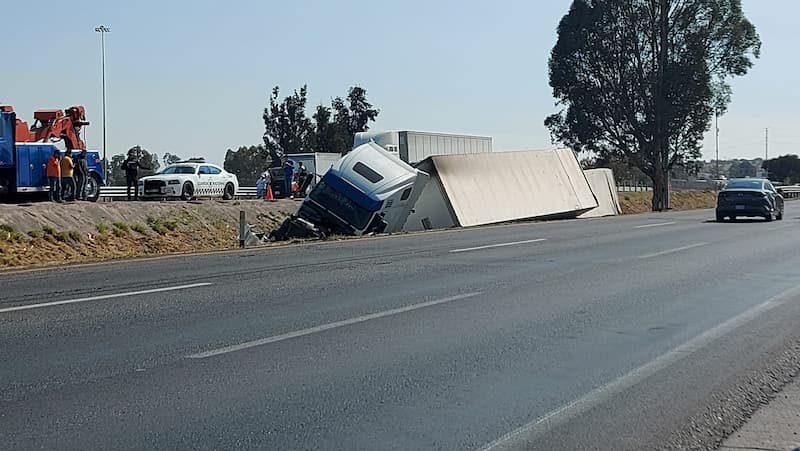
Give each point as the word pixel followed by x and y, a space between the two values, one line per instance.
pixel 367 191
pixel 491 188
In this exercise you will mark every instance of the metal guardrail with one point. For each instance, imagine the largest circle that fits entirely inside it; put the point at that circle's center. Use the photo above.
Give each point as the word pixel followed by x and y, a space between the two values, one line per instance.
pixel 110 193
pixel 790 192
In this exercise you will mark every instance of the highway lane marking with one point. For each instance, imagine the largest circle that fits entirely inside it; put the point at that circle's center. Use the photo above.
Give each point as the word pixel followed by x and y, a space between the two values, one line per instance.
pixel 492 246
pixel 524 435
pixel 672 251
pixel 104 296
pixel 663 224
pixel 329 326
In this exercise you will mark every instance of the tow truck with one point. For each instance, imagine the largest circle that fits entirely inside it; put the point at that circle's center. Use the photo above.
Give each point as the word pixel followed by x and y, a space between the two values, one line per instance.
pixel 24 151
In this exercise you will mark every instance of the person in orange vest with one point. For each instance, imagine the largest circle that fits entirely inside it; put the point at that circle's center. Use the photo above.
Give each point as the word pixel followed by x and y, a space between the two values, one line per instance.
pixel 67 182
pixel 54 176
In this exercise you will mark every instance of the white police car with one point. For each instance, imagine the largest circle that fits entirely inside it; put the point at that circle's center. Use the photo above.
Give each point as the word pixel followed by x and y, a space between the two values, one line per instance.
pixel 189 179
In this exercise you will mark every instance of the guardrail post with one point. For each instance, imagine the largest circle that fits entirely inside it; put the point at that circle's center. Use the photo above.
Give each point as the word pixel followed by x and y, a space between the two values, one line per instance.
pixel 242 228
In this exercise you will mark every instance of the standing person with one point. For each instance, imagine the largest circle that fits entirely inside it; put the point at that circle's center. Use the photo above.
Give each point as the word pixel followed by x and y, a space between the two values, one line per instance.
pixel 81 175
pixel 54 176
pixel 302 175
pixel 261 187
pixel 288 172
pixel 131 166
pixel 67 180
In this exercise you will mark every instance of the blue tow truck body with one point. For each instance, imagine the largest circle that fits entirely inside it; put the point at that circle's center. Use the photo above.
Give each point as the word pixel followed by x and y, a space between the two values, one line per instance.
pixel 23 166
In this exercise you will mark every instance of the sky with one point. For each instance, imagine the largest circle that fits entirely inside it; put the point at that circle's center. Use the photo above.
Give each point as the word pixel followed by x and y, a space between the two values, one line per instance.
pixel 193 80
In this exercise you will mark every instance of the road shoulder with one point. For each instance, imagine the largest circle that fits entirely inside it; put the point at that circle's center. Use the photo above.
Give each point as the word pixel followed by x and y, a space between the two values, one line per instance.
pixel 775 426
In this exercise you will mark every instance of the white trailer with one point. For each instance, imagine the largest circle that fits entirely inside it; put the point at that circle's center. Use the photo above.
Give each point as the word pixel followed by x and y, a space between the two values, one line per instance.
pixel 413 147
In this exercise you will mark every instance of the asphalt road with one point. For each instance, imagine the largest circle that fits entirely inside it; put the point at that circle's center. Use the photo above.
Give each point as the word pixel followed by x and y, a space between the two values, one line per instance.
pixel 614 333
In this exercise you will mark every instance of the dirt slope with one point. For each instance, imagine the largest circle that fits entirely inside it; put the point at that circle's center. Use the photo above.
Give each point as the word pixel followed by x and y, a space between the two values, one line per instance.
pixel 47 233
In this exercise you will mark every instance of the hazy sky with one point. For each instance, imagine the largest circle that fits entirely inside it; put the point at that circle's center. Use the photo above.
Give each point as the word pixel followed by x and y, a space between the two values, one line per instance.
pixel 193 80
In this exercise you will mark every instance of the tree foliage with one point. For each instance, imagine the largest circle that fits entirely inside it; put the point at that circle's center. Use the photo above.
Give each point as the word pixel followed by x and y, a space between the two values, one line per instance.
pixel 742 168
pixel 116 175
pixel 639 80
pixel 288 130
pixel 169 159
pixel 785 169
pixel 247 163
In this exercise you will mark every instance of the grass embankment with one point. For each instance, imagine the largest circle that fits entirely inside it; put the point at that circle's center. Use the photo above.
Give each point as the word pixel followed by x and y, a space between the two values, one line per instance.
pixel 634 203
pixel 51 234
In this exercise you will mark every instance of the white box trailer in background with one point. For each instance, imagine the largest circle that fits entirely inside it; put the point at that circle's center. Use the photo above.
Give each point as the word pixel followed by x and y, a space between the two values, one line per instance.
pixel 413 147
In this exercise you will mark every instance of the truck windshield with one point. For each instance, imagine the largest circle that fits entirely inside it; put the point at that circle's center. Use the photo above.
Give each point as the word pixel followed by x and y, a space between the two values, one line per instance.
pixel 343 207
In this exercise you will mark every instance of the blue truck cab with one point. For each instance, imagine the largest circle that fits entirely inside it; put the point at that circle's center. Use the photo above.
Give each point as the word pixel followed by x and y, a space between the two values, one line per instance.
pixel 23 166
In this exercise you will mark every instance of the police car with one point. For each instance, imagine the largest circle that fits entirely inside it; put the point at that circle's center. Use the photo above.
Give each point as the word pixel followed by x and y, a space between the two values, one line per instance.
pixel 189 179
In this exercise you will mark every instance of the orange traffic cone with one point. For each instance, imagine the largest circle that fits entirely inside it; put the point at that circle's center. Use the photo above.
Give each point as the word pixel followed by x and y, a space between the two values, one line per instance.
pixel 269 193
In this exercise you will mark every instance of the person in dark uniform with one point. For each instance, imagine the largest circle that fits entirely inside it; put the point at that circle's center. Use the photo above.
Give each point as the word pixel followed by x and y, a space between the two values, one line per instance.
pixel 288 172
pixel 131 166
pixel 81 175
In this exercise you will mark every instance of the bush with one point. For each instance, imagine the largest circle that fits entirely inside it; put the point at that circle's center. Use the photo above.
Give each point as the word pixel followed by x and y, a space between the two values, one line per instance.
pixel 139 228
pixel 9 233
pixel 36 234
pixel 119 225
pixel 161 226
pixel 49 230
pixel 101 228
pixel 75 236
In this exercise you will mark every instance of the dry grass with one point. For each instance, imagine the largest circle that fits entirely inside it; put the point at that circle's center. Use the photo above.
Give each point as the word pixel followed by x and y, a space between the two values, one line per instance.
pixel 95 232
pixel 635 203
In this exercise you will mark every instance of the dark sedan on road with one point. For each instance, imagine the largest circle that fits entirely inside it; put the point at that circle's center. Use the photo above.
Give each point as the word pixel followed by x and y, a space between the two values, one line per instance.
pixel 749 198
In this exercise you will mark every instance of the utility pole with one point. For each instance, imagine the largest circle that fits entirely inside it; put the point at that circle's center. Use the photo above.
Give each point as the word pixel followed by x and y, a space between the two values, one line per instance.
pixel 102 29
pixel 766 151
pixel 716 125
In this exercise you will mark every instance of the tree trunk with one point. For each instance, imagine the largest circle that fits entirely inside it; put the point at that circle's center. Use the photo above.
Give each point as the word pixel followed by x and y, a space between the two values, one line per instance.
pixel 660 189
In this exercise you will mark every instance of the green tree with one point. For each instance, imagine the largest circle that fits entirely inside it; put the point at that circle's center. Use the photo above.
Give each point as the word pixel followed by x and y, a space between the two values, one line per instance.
pixel 247 163
pixel 639 80
pixel 116 176
pixel 287 128
pixel 169 159
pixel 785 168
pixel 742 168
pixel 352 115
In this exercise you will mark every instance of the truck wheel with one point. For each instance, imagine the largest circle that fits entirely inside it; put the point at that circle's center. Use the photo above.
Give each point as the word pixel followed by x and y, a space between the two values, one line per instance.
pixel 229 192
pixel 187 193
pixel 93 184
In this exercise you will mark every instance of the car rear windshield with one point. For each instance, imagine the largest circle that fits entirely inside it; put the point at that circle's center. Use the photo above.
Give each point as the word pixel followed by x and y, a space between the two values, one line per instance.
pixel 178 170
pixel 744 184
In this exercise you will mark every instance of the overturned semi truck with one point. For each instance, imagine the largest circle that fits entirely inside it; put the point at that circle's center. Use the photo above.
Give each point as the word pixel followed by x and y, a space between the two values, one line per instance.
pixel 367 191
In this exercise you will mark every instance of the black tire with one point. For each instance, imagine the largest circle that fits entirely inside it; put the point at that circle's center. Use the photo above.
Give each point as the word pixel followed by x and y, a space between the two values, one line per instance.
pixel 229 191
pixel 779 217
pixel 187 192
pixel 93 184
pixel 769 217
pixel 720 217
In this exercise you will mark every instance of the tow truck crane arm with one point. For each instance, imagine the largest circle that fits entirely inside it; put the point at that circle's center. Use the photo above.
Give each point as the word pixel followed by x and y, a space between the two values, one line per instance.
pixel 54 125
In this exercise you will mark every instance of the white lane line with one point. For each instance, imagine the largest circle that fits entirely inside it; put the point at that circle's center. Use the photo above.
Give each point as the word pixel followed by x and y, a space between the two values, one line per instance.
pixel 101 297
pixel 492 246
pixel 672 251
pixel 523 436
pixel 329 326
pixel 648 226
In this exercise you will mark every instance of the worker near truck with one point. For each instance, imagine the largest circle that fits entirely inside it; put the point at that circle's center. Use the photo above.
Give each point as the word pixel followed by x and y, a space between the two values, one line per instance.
pixel 81 175
pixel 54 176
pixel 67 180
pixel 131 166
pixel 288 172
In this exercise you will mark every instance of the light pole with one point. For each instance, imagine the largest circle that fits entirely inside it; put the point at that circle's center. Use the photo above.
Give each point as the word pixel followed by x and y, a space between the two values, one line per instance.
pixel 716 143
pixel 102 29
